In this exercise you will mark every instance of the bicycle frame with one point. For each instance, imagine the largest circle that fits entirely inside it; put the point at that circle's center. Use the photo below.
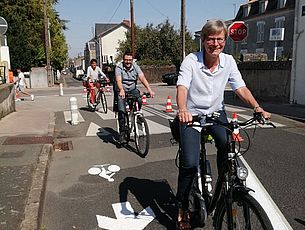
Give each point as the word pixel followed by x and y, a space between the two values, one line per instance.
pixel 228 181
pixel 133 114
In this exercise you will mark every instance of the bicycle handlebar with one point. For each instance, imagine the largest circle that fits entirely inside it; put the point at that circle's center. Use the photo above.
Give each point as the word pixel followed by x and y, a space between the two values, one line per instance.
pixel 257 117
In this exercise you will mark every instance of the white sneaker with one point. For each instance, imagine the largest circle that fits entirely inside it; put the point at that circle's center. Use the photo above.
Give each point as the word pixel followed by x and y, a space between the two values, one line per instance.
pixel 18 99
pixel 32 97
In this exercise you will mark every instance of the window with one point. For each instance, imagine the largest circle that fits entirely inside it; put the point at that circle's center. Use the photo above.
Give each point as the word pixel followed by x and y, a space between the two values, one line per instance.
pixel 281 3
pixel 243 51
pixel 279 22
pixel 260 31
pixel 262 7
pixel 245 11
pixel 259 50
pixel 279 51
pixel 105 58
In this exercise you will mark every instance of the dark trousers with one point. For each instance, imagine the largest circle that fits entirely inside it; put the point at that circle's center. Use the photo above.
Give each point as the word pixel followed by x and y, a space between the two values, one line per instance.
pixel 190 153
pixel 122 108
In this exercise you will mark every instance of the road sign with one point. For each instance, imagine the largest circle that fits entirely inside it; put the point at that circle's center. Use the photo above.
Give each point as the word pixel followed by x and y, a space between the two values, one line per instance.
pixel 238 31
pixel 3 26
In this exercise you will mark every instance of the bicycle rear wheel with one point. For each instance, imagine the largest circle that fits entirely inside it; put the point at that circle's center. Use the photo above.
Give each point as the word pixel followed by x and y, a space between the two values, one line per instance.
pixel 141 135
pixel 247 214
pixel 104 102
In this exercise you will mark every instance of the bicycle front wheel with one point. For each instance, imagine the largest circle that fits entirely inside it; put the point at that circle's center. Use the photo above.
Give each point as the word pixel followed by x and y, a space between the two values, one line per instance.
pixel 104 102
pixel 247 214
pixel 90 105
pixel 141 135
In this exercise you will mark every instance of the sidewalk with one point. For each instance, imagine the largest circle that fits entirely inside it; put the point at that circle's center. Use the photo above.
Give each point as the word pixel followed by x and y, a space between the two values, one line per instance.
pixel 26 147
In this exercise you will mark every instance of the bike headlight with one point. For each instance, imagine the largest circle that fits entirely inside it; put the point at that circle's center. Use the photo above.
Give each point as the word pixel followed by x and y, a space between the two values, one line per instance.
pixel 242 173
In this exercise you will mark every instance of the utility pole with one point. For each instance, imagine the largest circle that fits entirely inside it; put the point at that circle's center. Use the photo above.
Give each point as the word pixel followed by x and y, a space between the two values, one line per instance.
pixel 132 28
pixel 47 43
pixel 182 32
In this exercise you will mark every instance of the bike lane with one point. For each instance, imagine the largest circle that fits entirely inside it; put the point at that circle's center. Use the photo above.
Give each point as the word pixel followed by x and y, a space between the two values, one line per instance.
pixel 74 198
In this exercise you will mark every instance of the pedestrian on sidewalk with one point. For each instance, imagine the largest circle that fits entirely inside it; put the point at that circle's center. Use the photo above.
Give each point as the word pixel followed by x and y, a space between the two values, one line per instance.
pixel 21 85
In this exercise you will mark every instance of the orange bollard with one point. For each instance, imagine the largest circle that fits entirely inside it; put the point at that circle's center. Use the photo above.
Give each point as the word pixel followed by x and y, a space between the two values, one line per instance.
pixel 236 135
pixel 169 108
pixel 144 100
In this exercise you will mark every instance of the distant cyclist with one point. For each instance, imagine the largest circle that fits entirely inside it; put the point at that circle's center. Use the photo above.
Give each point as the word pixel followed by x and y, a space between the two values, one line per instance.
pixel 93 74
pixel 201 83
pixel 127 73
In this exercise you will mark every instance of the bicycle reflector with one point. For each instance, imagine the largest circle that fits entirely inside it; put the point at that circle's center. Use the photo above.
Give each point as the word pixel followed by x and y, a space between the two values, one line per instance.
pixel 242 173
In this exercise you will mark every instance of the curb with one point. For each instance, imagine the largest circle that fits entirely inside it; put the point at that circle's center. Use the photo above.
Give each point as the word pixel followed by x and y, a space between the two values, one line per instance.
pixel 34 205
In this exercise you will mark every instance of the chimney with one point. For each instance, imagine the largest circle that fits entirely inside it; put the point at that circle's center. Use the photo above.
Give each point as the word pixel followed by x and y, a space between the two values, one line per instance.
pixel 126 22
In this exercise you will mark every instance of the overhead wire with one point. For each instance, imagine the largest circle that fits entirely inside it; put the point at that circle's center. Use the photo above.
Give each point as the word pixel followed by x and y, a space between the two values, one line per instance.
pixel 115 11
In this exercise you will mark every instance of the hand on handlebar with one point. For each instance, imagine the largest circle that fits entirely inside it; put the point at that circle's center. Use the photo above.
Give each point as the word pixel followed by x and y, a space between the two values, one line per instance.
pixel 122 93
pixel 185 116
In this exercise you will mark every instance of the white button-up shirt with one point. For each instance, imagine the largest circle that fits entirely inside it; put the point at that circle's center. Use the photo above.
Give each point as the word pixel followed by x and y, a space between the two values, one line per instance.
pixel 205 88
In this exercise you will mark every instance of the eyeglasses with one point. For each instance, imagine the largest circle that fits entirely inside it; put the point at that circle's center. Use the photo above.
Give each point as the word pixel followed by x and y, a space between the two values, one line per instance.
pixel 213 40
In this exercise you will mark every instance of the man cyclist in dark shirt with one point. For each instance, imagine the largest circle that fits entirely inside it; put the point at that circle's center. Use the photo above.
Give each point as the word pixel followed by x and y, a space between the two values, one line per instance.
pixel 127 73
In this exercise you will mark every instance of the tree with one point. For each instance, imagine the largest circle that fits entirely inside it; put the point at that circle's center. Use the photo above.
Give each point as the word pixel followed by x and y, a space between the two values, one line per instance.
pixel 25 33
pixel 157 45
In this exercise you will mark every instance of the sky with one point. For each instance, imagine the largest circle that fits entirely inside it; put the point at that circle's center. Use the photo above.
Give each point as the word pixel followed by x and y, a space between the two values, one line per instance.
pixel 83 14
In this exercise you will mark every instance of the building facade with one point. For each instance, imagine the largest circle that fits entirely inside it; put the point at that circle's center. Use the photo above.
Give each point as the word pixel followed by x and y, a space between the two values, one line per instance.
pixel 297 83
pixel 264 19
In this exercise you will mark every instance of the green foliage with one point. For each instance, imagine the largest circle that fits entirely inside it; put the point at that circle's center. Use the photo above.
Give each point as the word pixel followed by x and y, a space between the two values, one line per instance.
pixel 25 35
pixel 159 45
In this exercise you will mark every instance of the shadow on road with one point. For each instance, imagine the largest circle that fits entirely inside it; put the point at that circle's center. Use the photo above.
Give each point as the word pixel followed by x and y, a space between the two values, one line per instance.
pixel 154 193
pixel 300 221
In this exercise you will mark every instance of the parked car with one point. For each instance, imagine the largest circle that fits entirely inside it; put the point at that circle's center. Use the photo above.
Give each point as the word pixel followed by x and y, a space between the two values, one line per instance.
pixel 170 78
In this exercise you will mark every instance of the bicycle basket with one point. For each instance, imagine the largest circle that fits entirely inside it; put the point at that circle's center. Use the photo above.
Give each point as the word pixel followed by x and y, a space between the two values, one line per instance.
pixel 175 129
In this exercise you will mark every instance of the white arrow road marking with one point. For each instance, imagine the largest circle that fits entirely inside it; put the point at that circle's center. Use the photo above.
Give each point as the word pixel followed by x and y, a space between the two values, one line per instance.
pixel 67 115
pixel 94 129
pixel 276 217
pixel 126 218
pixel 107 116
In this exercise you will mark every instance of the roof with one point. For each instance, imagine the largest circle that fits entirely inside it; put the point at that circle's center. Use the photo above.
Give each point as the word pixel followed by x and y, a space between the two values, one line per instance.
pixel 254 8
pixel 101 29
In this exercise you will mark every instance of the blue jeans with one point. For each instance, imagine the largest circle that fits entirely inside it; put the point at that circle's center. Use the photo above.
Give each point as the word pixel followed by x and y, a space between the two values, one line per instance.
pixel 190 141
pixel 122 108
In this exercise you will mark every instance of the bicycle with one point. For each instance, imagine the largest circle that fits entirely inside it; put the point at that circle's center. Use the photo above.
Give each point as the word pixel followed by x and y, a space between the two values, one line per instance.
pixel 230 203
pixel 136 124
pixel 100 96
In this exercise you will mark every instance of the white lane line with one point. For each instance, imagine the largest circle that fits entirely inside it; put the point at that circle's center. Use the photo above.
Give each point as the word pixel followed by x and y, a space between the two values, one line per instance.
pixel 262 126
pixel 276 217
pixel 161 108
pixel 67 115
pixel 160 114
pixel 233 109
pixel 156 128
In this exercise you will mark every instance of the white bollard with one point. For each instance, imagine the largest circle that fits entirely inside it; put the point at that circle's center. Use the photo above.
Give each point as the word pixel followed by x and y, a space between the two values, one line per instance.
pixel 74 111
pixel 61 90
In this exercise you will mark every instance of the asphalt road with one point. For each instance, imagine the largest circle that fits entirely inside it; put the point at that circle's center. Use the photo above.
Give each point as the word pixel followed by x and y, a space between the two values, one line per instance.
pixel 77 200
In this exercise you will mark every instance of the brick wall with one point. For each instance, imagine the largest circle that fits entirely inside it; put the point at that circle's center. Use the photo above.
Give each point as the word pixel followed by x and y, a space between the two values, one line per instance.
pixel 154 74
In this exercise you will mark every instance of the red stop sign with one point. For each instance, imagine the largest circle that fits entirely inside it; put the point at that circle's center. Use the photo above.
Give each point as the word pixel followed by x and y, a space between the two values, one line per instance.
pixel 238 31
